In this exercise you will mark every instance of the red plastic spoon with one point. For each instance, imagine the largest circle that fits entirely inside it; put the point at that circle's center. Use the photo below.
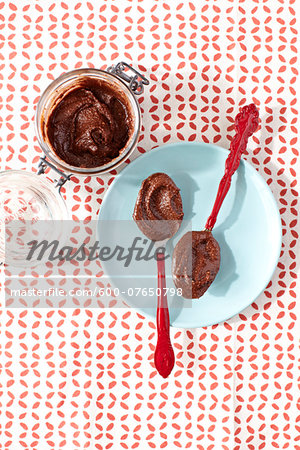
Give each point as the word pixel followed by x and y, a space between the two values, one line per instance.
pixel 158 213
pixel 164 358
pixel 196 257
pixel 246 123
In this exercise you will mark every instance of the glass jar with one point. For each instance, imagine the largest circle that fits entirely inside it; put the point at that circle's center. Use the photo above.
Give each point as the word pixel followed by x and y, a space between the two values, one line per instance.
pixel 119 78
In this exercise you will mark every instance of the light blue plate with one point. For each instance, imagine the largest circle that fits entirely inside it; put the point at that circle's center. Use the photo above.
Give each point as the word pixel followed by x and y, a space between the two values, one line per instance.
pixel 248 228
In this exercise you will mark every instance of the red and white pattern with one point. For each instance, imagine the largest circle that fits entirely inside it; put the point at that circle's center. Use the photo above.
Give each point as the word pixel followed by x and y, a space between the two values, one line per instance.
pixel 85 378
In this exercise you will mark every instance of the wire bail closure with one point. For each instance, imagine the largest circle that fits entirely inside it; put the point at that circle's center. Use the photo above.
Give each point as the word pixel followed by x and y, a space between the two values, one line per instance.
pixel 136 82
pixel 42 166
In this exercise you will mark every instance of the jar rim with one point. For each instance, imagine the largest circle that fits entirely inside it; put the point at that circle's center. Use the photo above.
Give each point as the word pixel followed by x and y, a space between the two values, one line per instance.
pixel 41 181
pixel 46 97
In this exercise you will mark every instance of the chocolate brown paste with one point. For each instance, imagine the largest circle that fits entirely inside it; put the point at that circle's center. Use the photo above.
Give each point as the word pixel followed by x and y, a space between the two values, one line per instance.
pixel 158 209
pixel 90 125
pixel 196 262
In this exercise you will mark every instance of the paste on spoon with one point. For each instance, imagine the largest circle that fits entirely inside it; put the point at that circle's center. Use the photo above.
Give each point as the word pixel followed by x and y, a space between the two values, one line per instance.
pixel 196 262
pixel 158 209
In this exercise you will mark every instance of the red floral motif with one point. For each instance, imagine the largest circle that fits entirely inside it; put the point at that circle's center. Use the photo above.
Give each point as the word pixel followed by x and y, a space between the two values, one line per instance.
pixel 85 378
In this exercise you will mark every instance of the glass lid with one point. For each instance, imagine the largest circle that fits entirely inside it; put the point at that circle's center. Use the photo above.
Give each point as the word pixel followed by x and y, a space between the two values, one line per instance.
pixel 26 201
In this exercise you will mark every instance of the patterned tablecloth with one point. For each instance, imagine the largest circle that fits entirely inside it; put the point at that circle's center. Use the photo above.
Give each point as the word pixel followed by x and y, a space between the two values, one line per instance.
pixel 85 378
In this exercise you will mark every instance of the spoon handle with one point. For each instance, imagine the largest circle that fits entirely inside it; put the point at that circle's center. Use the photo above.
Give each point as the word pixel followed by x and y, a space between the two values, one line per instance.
pixel 164 358
pixel 246 123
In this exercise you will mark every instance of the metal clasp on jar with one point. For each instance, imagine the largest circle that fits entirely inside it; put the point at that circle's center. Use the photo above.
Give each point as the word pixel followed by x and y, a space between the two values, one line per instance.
pixel 136 82
pixel 44 163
